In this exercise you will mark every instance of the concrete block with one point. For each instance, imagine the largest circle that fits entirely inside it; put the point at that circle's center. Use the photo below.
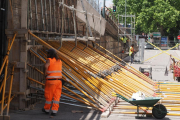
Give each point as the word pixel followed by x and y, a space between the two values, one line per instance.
pixel 105 114
pixel 5 117
pixel 108 111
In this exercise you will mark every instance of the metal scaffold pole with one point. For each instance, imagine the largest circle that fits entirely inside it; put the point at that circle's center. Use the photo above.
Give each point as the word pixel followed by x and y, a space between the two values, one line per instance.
pixel 118 37
pixel 131 30
pixel 104 8
pixel 125 19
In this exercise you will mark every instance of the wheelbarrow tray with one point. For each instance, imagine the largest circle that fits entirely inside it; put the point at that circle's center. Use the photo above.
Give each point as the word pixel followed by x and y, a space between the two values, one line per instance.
pixel 147 102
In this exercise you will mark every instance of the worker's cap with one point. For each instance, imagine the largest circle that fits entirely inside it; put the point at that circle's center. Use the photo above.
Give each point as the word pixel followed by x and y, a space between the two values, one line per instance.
pixel 51 51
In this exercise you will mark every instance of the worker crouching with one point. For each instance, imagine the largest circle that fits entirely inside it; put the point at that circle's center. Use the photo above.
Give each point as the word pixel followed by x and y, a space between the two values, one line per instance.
pixel 53 85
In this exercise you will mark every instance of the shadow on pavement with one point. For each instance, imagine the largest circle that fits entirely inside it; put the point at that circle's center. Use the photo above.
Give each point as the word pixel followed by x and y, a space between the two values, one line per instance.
pixel 66 112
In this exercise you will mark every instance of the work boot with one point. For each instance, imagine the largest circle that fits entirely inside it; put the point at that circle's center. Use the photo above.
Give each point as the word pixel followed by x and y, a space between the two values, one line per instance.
pixel 43 110
pixel 53 114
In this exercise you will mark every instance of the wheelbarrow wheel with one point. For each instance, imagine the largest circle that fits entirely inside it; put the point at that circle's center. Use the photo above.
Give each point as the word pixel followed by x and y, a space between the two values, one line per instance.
pixel 159 111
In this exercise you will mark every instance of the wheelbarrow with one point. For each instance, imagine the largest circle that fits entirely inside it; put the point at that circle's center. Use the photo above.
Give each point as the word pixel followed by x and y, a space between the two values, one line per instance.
pixel 159 111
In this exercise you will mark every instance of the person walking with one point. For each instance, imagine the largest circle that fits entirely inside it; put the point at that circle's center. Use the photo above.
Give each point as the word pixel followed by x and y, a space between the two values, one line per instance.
pixel 53 85
pixel 131 53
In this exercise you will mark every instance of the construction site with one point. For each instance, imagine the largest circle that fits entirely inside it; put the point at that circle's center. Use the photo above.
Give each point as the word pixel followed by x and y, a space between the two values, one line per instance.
pixel 96 76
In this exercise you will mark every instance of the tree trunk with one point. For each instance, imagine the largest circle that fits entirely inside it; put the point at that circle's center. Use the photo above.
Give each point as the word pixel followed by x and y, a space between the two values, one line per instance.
pixel 162 30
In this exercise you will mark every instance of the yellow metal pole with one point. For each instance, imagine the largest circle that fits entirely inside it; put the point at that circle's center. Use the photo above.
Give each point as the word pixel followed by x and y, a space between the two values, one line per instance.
pixel 10 101
pixel 87 103
pixel 35 69
pixel 81 97
pixel 10 88
pixel 6 57
pixel 87 87
pixel 4 99
pixel 145 77
pixel 62 92
pixel 82 92
pixel 4 86
pixel 35 81
pixel 80 70
pixel 37 56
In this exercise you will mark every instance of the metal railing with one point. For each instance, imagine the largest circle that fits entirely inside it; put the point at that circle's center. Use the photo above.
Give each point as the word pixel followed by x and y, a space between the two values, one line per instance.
pixel 110 14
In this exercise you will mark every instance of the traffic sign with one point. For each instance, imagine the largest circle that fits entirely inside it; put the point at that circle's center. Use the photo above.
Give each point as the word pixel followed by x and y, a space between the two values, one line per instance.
pixel 178 37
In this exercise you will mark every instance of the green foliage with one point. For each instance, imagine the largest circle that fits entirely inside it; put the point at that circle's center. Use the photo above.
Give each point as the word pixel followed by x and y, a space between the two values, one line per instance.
pixel 153 15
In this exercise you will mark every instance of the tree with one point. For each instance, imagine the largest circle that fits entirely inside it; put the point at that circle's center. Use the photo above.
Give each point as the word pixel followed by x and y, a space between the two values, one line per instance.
pixel 153 15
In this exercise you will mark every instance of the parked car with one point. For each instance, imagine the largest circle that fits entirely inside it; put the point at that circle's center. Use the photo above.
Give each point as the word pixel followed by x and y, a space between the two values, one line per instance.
pixel 148 46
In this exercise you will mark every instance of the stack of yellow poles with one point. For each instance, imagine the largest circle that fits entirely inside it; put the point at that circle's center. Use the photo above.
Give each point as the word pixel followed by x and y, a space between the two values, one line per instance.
pixel 107 61
pixel 63 86
pixel 83 100
pixel 110 63
pixel 128 67
pixel 147 89
pixel 170 94
pixel 82 57
pixel 97 83
pixel 81 68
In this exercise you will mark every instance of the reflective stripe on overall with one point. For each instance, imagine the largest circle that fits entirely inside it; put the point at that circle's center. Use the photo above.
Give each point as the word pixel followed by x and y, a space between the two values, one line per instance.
pixel 53 88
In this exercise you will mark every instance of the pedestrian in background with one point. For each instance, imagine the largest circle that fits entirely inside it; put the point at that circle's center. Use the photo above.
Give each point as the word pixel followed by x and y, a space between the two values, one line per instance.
pixel 131 53
pixel 53 85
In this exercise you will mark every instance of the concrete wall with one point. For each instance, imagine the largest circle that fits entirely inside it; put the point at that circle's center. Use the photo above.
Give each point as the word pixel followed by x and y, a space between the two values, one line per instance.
pixel 91 10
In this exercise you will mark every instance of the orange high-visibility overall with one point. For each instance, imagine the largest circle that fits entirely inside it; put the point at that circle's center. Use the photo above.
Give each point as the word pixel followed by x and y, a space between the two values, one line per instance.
pixel 53 85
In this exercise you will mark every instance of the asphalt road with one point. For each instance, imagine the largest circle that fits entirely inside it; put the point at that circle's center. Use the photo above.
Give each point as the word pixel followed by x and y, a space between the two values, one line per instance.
pixel 158 65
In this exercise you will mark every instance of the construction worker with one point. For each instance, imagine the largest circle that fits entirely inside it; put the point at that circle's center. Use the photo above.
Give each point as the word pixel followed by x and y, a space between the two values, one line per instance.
pixel 131 53
pixel 122 38
pixel 124 41
pixel 53 85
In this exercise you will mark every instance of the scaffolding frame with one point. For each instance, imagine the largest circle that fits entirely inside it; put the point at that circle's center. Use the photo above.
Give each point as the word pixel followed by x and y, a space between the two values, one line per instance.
pixel 132 28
